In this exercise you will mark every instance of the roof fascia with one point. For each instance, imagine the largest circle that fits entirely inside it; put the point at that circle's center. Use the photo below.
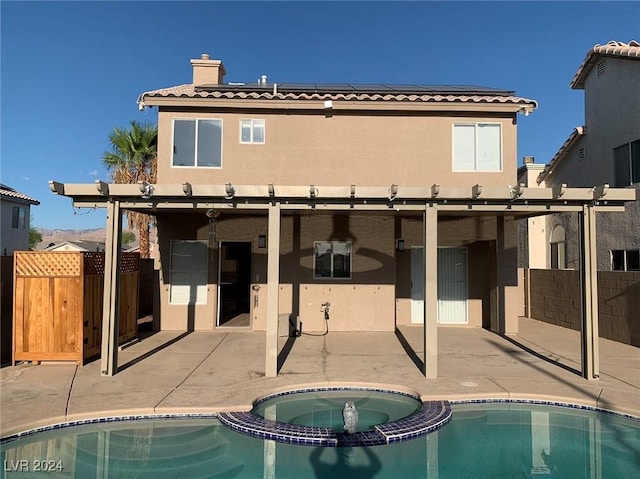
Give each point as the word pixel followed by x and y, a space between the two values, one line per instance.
pixel 339 105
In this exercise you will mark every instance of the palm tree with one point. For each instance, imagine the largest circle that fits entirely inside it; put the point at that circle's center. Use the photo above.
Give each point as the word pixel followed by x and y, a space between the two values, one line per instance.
pixel 133 159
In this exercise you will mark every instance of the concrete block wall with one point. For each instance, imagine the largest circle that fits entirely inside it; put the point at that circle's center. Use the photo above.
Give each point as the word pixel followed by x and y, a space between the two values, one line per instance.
pixel 555 298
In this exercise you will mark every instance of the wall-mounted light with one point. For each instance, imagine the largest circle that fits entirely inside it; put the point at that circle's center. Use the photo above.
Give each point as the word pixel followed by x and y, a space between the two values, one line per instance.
pixel 400 245
pixel 262 241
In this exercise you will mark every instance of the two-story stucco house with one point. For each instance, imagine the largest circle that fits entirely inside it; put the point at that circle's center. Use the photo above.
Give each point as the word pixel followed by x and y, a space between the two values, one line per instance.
pixel 606 149
pixel 15 214
pixel 331 206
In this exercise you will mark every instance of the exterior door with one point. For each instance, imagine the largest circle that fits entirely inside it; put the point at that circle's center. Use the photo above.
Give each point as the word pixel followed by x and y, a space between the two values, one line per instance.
pixel 452 285
pixel 417 286
pixel 234 284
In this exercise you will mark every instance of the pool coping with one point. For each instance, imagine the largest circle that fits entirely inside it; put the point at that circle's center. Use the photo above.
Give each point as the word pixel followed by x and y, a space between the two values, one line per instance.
pixel 215 415
pixel 430 416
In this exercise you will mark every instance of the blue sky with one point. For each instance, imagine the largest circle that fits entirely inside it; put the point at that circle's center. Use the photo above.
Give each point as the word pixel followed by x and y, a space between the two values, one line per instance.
pixel 72 71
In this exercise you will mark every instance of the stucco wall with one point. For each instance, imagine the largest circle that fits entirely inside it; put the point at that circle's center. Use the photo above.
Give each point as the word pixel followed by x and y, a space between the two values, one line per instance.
pixel 614 231
pixel 363 302
pixel 365 149
pixel 555 298
pixel 13 239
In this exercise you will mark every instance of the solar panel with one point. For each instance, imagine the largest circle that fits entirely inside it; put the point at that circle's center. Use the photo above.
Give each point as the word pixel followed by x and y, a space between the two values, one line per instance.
pixel 359 88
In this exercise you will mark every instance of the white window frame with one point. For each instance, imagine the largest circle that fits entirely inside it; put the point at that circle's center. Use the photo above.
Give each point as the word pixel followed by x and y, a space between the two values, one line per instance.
pixel 332 277
pixel 633 166
pixel 200 297
pixel 252 127
pixel 475 159
pixel 625 261
pixel 19 220
pixel 197 129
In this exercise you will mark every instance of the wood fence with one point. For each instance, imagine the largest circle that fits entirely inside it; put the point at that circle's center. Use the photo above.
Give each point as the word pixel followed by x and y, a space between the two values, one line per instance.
pixel 57 304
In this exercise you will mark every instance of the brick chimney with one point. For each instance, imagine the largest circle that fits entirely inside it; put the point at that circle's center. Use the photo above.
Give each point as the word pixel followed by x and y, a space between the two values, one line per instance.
pixel 207 71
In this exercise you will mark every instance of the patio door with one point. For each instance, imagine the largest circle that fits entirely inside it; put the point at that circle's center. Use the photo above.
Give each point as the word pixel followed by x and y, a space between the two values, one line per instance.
pixel 417 285
pixel 452 286
pixel 234 283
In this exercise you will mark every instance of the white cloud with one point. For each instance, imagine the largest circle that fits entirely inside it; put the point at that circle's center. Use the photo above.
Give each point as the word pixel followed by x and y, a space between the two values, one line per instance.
pixel 94 173
pixel 26 178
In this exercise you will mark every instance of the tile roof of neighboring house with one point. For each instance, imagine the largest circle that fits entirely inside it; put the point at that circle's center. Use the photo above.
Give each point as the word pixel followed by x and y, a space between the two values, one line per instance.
pixel 577 132
pixel 629 50
pixel 8 192
pixel 81 245
pixel 346 92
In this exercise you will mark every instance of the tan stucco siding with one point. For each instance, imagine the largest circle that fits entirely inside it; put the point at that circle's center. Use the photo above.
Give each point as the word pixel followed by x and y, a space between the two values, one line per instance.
pixel 365 150
pixel 362 302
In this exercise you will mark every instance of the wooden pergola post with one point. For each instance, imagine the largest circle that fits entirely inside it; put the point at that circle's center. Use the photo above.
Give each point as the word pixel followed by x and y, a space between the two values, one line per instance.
pixel 430 269
pixel 589 334
pixel 273 285
pixel 110 304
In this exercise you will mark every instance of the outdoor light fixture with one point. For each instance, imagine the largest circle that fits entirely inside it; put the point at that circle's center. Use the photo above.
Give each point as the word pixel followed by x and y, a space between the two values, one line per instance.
pixel 313 191
pixel 146 189
pixel 393 192
pixel 186 188
pixel 328 104
pixel 352 191
pixel 272 191
pixel 516 191
pixel 476 191
pixel 262 241
pixel 400 245
pixel 231 191
pixel 435 190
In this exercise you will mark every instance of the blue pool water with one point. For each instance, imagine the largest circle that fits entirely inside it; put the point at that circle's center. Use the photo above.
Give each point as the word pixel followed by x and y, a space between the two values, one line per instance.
pixel 324 408
pixel 489 440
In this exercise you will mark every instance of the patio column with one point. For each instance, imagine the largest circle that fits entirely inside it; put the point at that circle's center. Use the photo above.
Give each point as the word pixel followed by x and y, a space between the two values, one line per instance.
pixel 430 269
pixel 110 301
pixel 273 283
pixel 507 275
pixel 589 286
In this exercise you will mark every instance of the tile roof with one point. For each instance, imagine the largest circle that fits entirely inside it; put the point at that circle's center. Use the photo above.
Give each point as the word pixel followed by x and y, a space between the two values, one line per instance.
pixel 401 93
pixel 613 48
pixel 8 192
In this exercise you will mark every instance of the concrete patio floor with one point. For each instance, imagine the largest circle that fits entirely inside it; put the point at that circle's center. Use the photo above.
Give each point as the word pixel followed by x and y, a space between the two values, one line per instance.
pixel 178 372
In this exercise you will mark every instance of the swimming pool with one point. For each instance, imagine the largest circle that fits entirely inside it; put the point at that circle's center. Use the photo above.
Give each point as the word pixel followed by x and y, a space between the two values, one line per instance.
pixel 482 440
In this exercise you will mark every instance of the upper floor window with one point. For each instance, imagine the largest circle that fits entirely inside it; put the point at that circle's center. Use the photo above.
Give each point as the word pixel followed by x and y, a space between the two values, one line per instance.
pixel 477 147
pixel 626 164
pixel 332 259
pixel 18 217
pixel 251 131
pixel 197 142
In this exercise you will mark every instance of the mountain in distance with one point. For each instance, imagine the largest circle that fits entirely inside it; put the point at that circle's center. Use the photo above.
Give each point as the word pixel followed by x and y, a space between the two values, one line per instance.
pixel 56 236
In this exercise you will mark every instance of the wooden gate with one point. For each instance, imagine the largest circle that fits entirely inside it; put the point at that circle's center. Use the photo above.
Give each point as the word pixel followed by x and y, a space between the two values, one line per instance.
pixel 58 304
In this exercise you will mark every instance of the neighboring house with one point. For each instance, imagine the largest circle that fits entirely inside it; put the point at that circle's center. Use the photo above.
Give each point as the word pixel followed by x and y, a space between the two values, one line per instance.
pixel 15 214
pixel 340 206
pixel 605 150
pixel 78 245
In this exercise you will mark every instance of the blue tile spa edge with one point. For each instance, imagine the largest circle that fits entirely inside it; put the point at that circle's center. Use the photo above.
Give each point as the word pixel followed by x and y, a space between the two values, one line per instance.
pixel 431 416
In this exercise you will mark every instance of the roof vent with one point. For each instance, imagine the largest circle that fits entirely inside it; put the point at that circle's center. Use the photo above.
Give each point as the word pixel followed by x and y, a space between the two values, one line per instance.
pixel 527 160
pixel 263 80
pixel 601 68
